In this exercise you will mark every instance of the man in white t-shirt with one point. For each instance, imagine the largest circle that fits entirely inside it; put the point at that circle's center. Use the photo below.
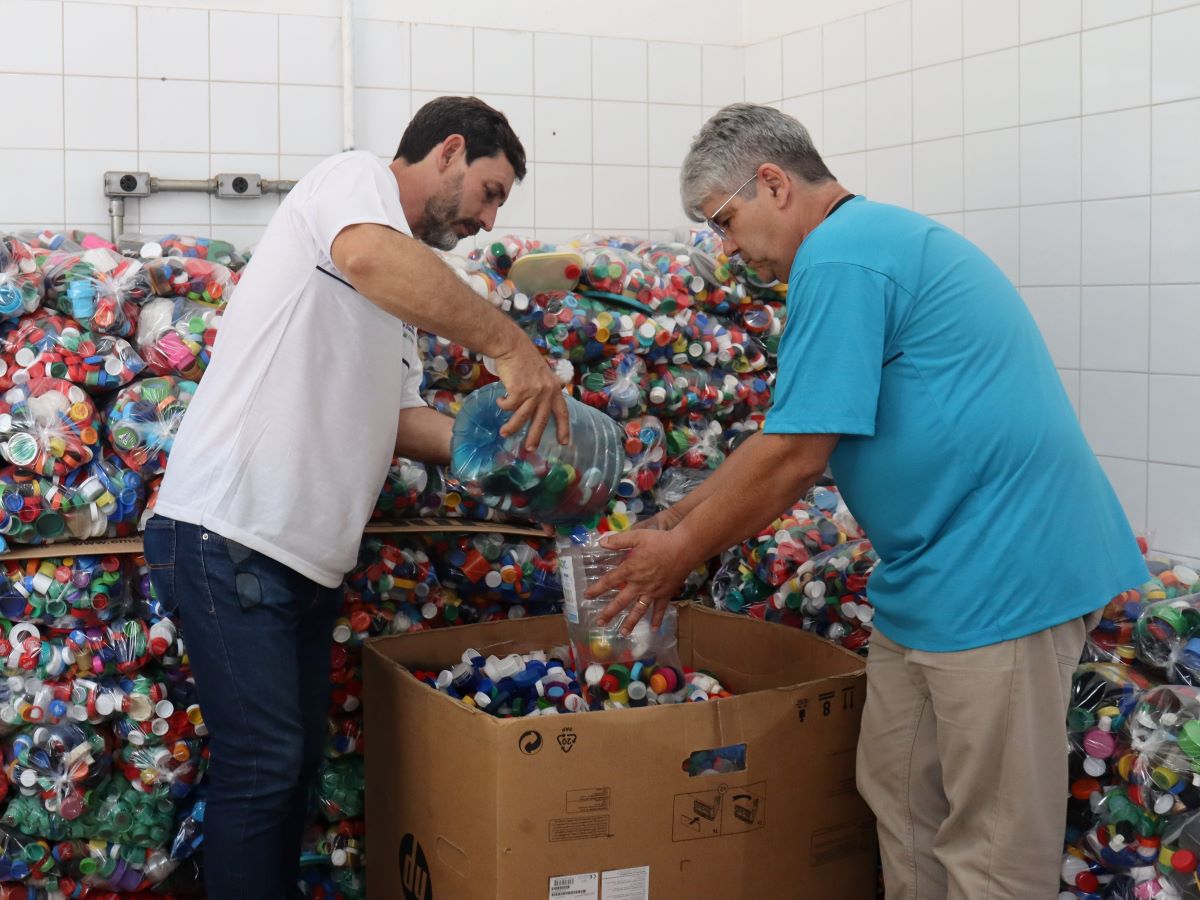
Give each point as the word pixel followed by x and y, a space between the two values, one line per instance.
pixel 313 387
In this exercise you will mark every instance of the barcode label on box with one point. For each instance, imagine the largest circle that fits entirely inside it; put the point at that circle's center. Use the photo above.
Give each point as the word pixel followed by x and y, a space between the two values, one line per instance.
pixel 575 887
pixel 626 884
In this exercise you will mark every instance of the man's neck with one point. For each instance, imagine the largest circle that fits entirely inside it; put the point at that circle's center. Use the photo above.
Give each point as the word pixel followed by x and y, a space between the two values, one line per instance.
pixel 818 205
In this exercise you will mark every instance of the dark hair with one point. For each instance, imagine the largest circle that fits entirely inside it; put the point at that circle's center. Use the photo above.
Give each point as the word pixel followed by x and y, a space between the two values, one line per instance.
pixel 486 131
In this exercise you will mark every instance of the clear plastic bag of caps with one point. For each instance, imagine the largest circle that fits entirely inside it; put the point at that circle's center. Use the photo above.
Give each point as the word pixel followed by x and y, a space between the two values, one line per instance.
pixel 1164 736
pixel 695 442
pixel 35 701
pixel 186 245
pixel 1112 638
pixel 176 336
pixel 1166 638
pixel 834 601
pixel 450 366
pixel 48 426
pixel 98 288
pixel 675 483
pixel 59 764
pixel 117 870
pixel 46 241
pixel 566 325
pixel 340 788
pixel 64 592
pixel 500 253
pixel 448 403
pixel 123 815
pixel 25 651
pixel 340 846
pixel 492 567
pixel 392 583
pixel 118 647
pixel 22 858
pixel 45 344
pixel 21 284
pixel 173 706
pixel 553 483
pixel 37 510
pixel 411 489
pixel 645 454
pixel 198 280
pixel 679 267
pixel 614 386
pixel 616 670
pixel 765 322
pixel 169 770
pixel 143 420
pixel 1103 696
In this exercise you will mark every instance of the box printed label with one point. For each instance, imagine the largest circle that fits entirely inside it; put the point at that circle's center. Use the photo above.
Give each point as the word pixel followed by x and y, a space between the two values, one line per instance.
pixel 575 887
pixel 726 809
pixel 626 884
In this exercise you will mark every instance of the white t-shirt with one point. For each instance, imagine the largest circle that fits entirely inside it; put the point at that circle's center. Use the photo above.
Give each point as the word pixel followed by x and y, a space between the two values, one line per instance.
pixel 287 442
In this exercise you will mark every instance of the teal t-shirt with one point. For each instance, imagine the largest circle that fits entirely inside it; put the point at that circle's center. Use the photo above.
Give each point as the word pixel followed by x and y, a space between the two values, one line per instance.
pixel 960 454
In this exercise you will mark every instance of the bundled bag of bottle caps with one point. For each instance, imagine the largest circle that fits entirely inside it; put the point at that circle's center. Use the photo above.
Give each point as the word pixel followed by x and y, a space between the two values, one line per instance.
pixel 182 245
pixel 615 386
pixel 410 489
pixel 452 367
pixel 64 593
pixel 21 284
pixel 98 288
pixel 567 325
pixel 143 419
pixel 48 426
pixel 58 766
pixel 501 575
pixel 394 586
pixel 98 500
pixel 695 442
pixel 45 344
pixel 175 336
pixel 191 278
pixel 1112 639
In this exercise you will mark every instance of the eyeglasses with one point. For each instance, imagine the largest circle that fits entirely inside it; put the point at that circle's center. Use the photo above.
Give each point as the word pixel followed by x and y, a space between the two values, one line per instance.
pixel 712 220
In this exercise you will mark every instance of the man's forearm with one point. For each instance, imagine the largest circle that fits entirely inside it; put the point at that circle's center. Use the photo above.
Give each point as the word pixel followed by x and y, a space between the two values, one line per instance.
pixel 410 281
pixel 760 482
pixel 424 434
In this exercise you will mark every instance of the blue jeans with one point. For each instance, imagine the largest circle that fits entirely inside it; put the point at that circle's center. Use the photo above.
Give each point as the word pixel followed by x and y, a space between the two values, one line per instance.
pixel 258 637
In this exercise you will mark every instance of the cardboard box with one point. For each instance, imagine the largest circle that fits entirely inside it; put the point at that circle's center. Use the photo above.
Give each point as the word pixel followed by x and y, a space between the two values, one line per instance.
pixel 599 806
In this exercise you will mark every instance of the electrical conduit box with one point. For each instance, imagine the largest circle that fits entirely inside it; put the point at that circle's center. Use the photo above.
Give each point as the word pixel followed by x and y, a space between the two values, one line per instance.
pixel 749 796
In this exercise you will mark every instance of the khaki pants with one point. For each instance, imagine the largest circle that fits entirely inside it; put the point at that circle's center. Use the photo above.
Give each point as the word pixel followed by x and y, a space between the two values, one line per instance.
pixel 963 759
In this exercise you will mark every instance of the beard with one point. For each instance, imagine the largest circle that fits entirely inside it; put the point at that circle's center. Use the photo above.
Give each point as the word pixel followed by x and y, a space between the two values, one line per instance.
pixel 440 214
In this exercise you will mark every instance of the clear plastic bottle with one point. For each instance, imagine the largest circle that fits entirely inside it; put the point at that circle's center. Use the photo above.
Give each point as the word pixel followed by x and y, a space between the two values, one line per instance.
pixel 555 484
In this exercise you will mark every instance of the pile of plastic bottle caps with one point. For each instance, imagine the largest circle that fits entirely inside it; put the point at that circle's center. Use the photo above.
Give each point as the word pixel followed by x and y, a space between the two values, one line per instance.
pixel 101 349
pixel 1133 821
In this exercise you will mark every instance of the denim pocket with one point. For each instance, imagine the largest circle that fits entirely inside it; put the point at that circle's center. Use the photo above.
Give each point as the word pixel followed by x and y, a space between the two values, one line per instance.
pixel 260 581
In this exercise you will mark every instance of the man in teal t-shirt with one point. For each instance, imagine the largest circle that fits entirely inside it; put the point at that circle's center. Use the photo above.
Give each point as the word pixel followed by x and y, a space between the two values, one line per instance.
pixel 910 364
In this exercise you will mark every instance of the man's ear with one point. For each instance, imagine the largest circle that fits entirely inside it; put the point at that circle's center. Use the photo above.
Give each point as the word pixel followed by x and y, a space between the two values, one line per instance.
pixel 449 150
pixel 776 183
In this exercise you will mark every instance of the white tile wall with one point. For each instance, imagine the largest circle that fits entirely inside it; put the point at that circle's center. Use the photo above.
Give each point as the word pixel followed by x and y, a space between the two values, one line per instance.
pixel 195 91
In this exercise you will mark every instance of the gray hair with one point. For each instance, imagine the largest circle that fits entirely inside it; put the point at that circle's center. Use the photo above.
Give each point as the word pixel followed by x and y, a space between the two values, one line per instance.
pixel 735 142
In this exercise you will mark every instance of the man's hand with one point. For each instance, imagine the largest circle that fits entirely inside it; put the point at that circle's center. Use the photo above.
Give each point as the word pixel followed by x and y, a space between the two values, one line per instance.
pixel 651 574
pixel 533 394
pixel 663 520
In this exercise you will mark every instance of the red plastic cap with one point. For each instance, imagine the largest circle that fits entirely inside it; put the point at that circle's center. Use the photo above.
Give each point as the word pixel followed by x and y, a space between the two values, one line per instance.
pixel 1184 861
